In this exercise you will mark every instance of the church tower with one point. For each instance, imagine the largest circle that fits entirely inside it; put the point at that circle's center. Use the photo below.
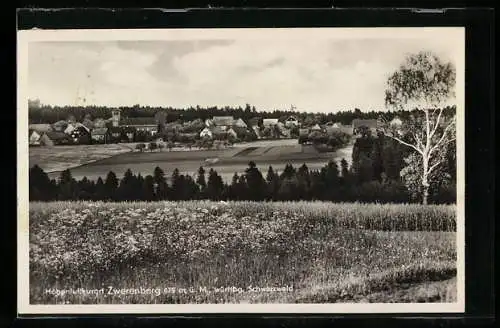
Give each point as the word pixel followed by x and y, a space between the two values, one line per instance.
pixel 115 118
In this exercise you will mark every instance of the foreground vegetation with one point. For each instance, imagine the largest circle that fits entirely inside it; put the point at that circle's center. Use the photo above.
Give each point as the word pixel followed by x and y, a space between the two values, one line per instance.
pixel 210 252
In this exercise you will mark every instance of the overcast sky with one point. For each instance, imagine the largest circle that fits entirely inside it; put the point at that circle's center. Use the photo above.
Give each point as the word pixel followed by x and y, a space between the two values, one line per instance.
pixel 314 75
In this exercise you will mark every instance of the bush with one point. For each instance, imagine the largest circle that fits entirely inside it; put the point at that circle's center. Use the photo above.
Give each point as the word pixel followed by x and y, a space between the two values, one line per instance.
pixel 152 146
pixel 140 146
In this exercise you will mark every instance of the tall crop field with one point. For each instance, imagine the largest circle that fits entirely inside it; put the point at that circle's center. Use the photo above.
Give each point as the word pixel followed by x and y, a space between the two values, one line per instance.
pixel 240 252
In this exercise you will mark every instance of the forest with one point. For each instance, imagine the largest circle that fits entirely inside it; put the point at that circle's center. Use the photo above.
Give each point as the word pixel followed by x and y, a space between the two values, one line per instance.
pixel 377 174
pixel 39 113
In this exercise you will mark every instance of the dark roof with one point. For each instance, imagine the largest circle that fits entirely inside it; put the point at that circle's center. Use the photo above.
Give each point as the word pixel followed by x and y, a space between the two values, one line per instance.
pixel 254 121
pixel 356 123
pixel 56 135
pixel 240 130
pixel 138 121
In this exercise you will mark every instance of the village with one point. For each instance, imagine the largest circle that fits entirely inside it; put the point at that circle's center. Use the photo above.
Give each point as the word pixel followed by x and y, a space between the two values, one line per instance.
pixel 222 129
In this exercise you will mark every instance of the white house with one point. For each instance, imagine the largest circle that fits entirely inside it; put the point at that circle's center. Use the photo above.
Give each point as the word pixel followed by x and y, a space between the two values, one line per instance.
pixel 70 128
pixel 206 133
pixel 34 138
pixel 232 133
pixel 291 122
pixel 316 128
pixel 80 125
pixel 209 123
pixel 256 129
pixel 268 122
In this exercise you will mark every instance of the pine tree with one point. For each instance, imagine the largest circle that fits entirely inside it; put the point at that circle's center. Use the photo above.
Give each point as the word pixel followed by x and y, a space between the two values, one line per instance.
pixel 160 184
pixel 273 184
pixel 148 192
pixel 67 186
pixel 255 182
pixel 176 185
pixel 137 187
pixel 126 190
pixel 111 186
pixel 100 190
pixel 40 187
pixel 215 185
pixel 344 169
pixel 200 180
pixel 304 183
pixel 288 172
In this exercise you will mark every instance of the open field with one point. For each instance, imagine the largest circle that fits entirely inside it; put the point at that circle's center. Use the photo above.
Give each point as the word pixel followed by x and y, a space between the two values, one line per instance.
pixel 59 158
pixel 207 252
pixel 276 153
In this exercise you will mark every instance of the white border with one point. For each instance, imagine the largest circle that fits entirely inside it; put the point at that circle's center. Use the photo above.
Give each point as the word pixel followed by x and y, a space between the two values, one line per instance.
pixel 25 37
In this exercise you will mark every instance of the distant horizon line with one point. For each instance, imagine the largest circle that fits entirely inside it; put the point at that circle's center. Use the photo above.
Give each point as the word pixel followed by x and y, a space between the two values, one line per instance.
pixel 223 107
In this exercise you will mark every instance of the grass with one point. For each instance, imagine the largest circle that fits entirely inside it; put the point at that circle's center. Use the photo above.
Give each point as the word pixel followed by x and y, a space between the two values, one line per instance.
pixel 59 158
pixel 324 252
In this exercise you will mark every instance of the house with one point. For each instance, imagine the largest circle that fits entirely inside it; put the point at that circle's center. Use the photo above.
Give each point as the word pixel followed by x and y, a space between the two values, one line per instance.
pixel 219 132
pixel 232 133
pixel 209 123
pixel 80 134
pixel 69 128
pixel 206 133
pixel 53 138
pixel 303 132
pixel 129 132
pixel 79 125
pixel 285 132
pixel 174 127
pixel 316 127
pixel 40 128
pixel 88 124
pixel 291 121
pixel 240 123
pixel 333 125
pixel 59 126
pixel 269 122
pixel 223 121
pixel 115 133
pixel 99 123
pixel 358 125
pixel 100 135
pixel 241 132
pixel 257 132
pixel 148 125
pixel 255 121
pixel 34 138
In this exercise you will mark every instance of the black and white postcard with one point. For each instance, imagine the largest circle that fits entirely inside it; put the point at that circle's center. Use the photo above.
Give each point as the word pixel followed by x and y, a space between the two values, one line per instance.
pixel 290 170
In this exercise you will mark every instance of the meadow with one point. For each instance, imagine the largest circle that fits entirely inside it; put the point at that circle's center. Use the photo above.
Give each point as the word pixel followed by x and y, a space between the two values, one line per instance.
pixel 275 153
pixel 59 158
pixel 241 252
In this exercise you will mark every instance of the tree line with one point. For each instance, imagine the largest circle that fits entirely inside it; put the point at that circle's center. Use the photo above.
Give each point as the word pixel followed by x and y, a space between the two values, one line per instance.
pixel 374 176
pixel 40 113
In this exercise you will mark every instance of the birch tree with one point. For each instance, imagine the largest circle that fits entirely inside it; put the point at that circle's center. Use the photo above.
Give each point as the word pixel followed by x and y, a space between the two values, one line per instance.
pixel 423 84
